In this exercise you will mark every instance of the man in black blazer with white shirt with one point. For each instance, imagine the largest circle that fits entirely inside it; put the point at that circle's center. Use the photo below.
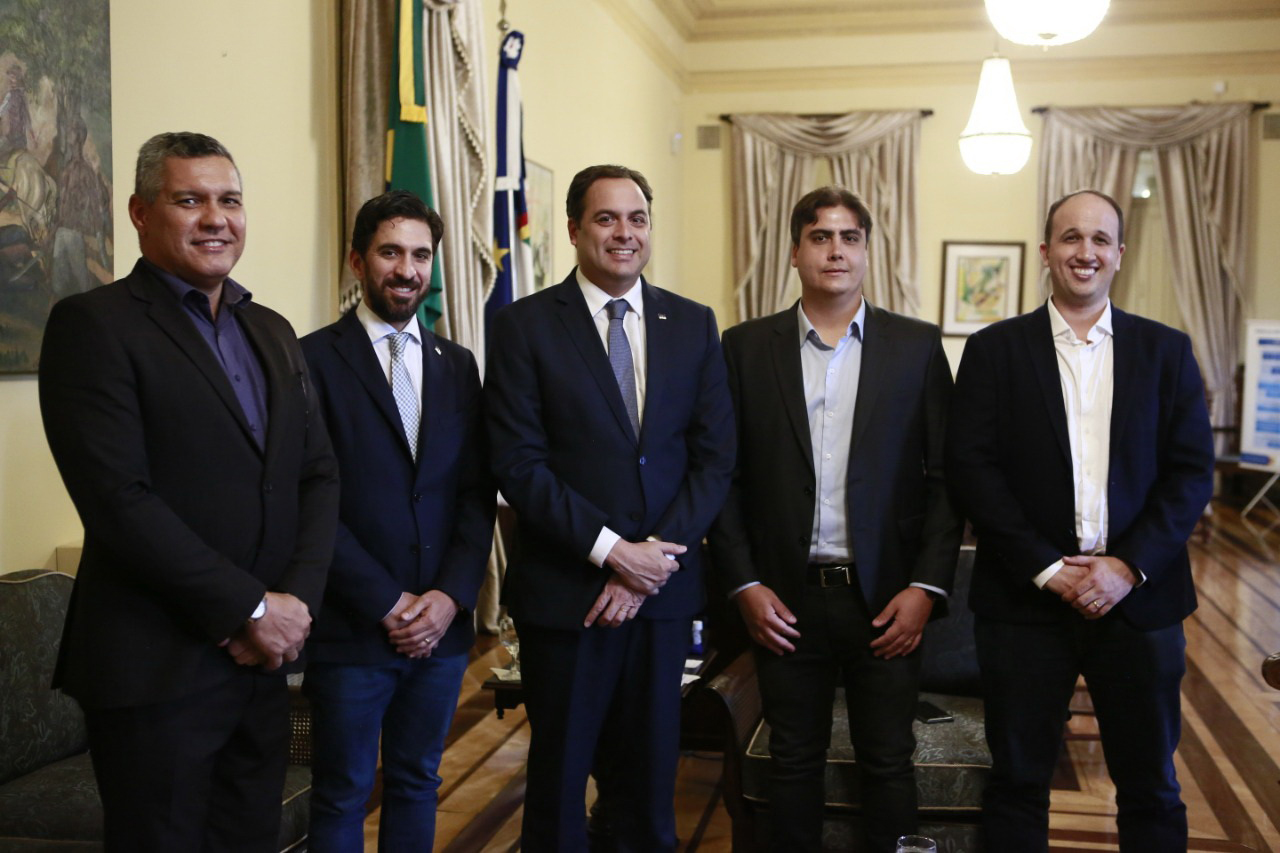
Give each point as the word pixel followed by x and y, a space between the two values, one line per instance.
pixel 389 651
pixel 838 535
pixel 612 438
pixel 180 414
pixel 1080 448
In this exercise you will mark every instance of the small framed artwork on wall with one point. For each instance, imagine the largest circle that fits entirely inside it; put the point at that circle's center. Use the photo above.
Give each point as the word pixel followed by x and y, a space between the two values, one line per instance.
pixel 981 283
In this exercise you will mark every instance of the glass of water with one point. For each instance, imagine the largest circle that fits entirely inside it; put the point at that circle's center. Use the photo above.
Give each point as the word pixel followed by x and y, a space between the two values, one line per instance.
pixel 511 642
pixel 916 844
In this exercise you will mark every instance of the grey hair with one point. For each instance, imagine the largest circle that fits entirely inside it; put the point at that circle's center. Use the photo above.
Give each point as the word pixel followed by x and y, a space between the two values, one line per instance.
pixel 149 175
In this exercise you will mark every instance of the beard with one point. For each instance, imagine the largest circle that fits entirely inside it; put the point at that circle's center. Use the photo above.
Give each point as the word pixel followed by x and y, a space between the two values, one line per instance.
pixel 388 307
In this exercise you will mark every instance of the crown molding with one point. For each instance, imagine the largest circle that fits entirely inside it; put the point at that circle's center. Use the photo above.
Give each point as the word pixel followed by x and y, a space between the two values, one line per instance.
pixel 649 40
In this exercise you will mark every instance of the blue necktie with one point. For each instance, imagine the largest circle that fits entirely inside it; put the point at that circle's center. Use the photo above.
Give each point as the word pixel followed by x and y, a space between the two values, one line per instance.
pixel 620 360
pixel 402 390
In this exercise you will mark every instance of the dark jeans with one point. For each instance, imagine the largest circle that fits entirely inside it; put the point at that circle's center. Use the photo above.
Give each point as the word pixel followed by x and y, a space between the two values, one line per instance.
pixel 603 700
pixel 1029 673
pixel 410 703
pixel 798 690
pixel 202 773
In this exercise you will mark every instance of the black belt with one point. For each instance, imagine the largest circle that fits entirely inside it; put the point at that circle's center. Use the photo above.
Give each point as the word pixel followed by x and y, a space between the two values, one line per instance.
pixel 827 575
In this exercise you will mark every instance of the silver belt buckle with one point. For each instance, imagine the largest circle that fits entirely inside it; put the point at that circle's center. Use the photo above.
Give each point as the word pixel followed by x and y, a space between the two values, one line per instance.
pixel 839 576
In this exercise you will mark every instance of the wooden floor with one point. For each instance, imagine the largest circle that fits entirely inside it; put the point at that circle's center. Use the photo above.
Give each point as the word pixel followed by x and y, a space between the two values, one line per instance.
pixel 1227 762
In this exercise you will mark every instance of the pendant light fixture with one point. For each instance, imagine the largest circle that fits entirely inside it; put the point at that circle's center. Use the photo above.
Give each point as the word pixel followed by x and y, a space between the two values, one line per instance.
pixel 995 141
pixel 1045 23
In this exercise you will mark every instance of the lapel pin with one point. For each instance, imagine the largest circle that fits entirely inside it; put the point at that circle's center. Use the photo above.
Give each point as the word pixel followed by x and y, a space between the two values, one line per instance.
pixel 438 351
pixel 662 316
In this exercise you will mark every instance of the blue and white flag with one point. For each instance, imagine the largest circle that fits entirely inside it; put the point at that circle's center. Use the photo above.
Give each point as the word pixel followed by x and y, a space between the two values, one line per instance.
pixel 511 248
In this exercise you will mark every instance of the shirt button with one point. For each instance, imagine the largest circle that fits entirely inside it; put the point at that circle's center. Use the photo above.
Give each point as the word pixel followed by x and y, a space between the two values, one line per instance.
pixel 831 414
pixel 826 502
pixel 828 456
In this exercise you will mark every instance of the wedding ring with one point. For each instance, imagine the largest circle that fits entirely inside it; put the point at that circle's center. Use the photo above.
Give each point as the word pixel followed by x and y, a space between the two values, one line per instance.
pixel 1097 603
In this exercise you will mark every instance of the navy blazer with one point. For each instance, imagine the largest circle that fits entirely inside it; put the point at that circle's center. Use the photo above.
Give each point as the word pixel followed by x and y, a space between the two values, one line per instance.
pixel 187 523
pixel 403 526
pixel 902 526
pixel 567 459
pixel 1009 466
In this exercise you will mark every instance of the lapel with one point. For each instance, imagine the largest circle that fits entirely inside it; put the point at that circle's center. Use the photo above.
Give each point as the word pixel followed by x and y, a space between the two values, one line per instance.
pixel 572 310
pixel 281 372
pixel 790 378
pixel 436 400
pixel 878 345
pixel 352 344
pixel 1125 355
pixel 660 348
pixel 167 312
pixel 1038 337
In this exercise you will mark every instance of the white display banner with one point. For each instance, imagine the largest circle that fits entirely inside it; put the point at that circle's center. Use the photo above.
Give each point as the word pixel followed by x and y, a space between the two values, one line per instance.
pixel 1260 414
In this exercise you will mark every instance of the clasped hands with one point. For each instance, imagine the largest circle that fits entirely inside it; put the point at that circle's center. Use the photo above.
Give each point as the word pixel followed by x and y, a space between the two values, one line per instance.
pixel 1093 585
pixel 275 639
pixel 640 569
pixel 417 622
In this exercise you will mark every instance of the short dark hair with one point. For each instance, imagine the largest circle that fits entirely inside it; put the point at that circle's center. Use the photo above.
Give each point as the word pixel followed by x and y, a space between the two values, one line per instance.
pixel 575 201
pixel 1053 208
pixel 806 210
pixel 148 176
pixel 393 204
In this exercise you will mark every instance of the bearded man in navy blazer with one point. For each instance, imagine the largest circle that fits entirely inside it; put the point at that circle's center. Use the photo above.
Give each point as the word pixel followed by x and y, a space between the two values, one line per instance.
pixel 181 417
pixel 1080 448
pixel 415 528
pixel 838 534
pixel 612 434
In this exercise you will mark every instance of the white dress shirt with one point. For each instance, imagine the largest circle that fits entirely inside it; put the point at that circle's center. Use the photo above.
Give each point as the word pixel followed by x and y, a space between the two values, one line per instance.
pixel 378 331
pixel 633 326
pixel 1086 371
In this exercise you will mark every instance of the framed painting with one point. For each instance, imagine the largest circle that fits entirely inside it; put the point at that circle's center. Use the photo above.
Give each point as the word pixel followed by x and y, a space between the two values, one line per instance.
pixel 539 196
pixel 981 283
pixel 55 164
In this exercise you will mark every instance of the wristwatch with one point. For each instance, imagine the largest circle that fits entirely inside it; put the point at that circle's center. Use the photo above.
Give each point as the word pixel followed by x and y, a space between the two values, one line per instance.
pixel 259 611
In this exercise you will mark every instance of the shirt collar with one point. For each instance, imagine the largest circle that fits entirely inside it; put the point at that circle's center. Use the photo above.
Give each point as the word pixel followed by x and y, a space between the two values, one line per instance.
pixel 597 298
pixel 856 326
pixel 233 293
pixel 377 328
pixel 1062 330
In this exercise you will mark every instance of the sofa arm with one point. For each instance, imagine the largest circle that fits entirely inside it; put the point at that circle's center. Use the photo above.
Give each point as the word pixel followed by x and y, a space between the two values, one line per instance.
pixel 1271 670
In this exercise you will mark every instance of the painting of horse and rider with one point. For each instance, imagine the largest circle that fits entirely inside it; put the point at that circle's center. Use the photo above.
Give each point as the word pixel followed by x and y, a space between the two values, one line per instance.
pixel 55 164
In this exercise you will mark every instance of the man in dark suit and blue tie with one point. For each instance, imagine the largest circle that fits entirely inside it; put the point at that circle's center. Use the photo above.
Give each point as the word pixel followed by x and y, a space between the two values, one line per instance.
pixel 180 415
pixel 1080 448
pixel 838 535
pixel 389 650
pixel 612 434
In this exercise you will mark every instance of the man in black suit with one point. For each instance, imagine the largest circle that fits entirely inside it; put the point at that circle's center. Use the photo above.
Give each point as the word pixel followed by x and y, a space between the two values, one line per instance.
pixel 838 535
pixel 179 413
pixel 612 434
pixel 1080 448
pixel 415 527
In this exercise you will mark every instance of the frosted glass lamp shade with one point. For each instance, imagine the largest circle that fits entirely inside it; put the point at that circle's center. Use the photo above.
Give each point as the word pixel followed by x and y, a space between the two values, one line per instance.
pixel 995 141
pixel 1046 23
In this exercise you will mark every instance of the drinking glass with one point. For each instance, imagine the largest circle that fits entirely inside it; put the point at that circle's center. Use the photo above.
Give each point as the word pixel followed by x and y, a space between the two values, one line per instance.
pixel 511 642
pixel 916 844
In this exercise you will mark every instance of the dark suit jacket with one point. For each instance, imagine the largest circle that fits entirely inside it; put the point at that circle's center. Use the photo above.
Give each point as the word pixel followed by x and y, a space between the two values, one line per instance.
pixel 902 526
pixel 1009 465
pixel 187 523
pixel 566 458
pixel 404 527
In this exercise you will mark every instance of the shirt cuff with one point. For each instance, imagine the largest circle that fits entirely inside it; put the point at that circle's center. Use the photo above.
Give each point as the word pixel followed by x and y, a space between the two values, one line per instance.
pixel 927 588
pixel 604 544
pixel 733 592
pixel 1044 577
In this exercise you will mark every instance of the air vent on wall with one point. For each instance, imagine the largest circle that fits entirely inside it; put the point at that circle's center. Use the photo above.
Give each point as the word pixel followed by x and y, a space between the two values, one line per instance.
pixel 708 137
pixel 1270 128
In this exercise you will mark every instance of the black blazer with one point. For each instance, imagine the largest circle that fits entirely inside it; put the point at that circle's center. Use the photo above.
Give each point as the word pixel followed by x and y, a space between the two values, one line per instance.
pixel 1009 464
pixel 403 527
pixel 187 523
pixel 567 460
pixel 902 526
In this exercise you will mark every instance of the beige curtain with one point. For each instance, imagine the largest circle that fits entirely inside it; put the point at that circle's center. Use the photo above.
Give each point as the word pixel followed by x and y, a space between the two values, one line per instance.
pixel 366 37
pixel 1203 154
pixel 874 154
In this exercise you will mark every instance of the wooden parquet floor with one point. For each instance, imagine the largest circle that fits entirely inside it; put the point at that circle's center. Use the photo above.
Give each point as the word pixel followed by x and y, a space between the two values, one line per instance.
pixel 1227 761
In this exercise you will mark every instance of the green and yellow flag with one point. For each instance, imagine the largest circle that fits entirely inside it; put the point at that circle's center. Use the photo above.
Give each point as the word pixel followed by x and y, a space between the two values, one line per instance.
pixel 408 167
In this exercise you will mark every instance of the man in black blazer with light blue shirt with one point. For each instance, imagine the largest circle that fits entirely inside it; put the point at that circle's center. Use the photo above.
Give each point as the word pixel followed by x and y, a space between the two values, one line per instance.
pixel 1080 448
pixel 612 438
pixel 415 527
